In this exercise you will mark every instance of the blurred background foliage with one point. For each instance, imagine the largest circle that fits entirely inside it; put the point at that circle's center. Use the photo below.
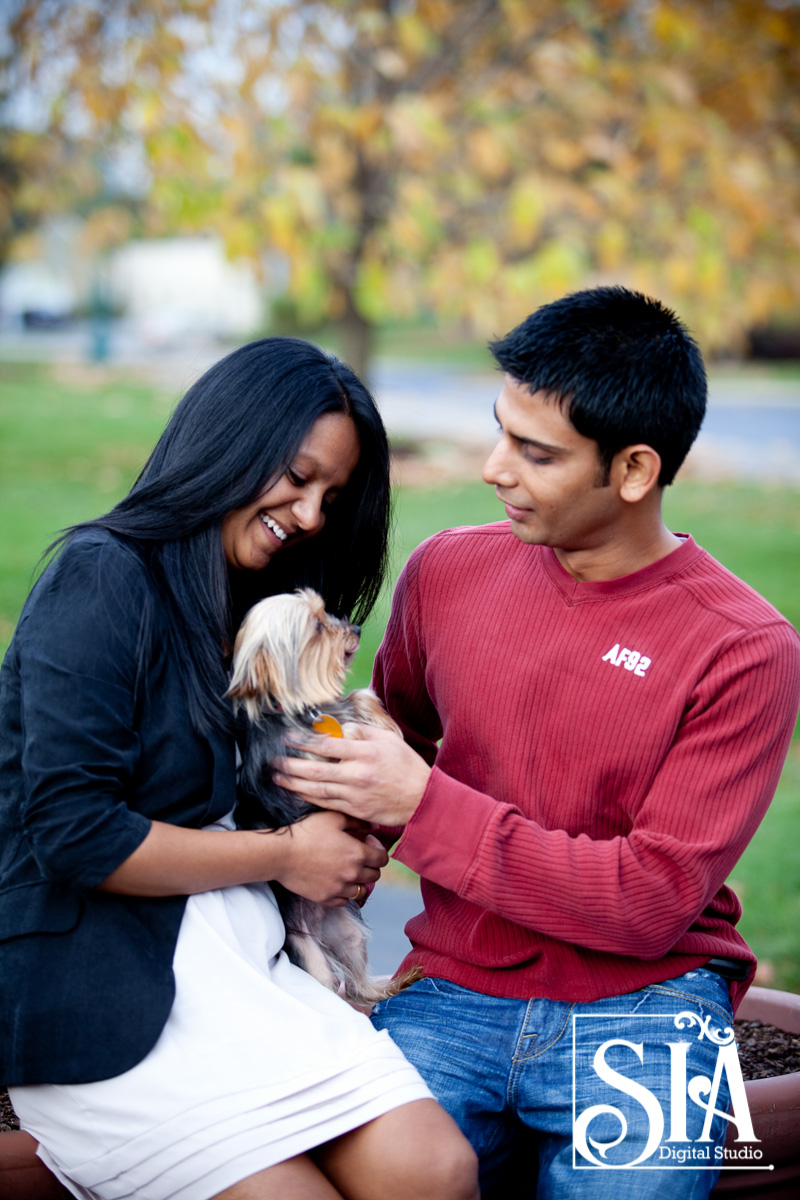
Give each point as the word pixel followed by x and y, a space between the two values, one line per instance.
pixel 468 158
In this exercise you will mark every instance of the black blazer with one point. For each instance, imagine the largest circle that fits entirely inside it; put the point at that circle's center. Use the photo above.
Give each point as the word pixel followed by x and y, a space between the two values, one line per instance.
pixel 90 751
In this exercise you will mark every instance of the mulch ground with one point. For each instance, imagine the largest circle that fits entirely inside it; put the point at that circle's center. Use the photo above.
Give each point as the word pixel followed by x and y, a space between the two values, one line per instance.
pixel 764 1051
pixel 8 1118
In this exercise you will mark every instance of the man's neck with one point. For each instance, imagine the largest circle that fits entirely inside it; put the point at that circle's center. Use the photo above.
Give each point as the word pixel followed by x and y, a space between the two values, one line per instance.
pixel 619 556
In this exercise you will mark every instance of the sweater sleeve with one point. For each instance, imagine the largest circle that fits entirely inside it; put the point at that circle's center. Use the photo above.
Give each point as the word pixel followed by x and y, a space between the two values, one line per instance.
pixel 399 671
pixel 78 648
pixel 635 894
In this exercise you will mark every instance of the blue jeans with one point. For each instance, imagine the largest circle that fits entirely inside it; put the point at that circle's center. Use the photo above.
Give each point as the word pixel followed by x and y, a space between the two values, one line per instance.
pixel 518 1075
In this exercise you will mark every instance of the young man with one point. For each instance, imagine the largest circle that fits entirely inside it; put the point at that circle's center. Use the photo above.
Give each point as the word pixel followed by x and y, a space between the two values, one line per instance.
pixel 596 714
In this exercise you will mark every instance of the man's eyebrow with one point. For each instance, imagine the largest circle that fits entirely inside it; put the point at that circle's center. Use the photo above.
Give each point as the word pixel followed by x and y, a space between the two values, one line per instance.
pixel 526 441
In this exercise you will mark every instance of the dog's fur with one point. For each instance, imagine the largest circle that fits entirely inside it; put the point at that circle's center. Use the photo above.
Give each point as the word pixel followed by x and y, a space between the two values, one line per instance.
pixel 290 662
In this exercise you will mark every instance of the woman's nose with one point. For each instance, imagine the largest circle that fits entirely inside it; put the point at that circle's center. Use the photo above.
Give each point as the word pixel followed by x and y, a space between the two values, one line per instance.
pixel 307 512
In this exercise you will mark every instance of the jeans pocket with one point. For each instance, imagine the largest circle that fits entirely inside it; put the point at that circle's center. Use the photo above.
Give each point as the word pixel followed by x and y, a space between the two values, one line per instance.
pixel 699 986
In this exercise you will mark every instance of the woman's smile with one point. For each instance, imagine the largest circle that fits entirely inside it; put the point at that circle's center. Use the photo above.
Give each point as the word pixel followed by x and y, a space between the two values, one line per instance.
pixel 273 526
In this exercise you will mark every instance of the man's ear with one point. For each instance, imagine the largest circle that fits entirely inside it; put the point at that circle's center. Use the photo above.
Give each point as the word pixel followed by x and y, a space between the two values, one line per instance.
pixel 636 470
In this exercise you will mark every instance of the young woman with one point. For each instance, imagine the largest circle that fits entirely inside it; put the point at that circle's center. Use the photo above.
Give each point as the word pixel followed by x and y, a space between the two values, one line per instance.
pixel 158 1046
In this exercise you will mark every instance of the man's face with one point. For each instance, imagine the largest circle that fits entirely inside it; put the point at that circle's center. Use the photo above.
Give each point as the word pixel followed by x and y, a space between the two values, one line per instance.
pixel 548 475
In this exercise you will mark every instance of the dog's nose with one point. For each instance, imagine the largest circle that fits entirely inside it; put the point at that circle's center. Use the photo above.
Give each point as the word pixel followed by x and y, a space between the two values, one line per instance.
pixel 356 630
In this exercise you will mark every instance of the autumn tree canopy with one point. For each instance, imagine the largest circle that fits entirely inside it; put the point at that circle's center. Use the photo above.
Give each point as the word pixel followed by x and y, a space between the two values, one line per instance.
pixel 473 158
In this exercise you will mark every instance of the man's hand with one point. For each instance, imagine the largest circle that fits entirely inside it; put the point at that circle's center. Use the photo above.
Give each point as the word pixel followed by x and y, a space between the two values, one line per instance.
pixel 379 779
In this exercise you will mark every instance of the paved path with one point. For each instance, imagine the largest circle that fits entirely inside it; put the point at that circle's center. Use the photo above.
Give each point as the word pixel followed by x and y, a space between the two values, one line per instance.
pixel 752 428
pixel 386 912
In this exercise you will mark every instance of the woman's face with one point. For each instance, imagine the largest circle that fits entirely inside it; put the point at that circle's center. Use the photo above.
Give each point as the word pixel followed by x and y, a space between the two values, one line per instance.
pixel 294 508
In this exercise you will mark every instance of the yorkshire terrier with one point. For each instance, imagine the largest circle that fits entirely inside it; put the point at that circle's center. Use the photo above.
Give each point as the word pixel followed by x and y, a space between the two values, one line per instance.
pixel 289 667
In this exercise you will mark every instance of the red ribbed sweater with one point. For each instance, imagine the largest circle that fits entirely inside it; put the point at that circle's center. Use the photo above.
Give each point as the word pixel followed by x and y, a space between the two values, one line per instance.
pixel 607 752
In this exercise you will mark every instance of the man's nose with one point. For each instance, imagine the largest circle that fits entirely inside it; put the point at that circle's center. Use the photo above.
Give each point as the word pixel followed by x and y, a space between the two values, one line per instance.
pixel 495 469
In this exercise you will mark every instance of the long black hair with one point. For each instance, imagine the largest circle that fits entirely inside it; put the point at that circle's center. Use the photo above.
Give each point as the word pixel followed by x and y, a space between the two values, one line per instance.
pixel 233 435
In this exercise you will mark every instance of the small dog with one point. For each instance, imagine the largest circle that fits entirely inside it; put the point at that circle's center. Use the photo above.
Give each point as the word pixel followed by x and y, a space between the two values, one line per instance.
pixel 289 667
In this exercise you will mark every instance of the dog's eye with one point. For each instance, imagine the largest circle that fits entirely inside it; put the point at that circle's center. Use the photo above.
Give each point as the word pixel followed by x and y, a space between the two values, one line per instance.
pixel 320 626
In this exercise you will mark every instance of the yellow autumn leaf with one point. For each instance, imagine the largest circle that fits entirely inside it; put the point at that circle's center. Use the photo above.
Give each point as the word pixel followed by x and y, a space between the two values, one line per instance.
pixel 486 153
pixel 416 38
pixel 677 28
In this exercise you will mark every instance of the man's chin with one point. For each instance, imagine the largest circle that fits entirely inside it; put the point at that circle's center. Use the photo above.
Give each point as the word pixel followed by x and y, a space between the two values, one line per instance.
pixel 525 533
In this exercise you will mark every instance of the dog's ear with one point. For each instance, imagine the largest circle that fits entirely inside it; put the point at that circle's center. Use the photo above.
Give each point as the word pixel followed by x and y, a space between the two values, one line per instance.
pixel 259 678
pixel 252 678
pixel 316 605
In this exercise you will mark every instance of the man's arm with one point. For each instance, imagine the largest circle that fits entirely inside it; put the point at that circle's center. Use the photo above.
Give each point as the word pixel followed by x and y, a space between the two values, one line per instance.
pixel 634 894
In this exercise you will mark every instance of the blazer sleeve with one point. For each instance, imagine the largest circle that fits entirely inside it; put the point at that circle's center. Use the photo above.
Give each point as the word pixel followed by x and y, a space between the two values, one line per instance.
pixel 78 645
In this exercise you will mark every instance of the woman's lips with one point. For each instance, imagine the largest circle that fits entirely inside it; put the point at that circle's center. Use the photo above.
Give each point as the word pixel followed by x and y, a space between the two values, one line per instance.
pixel 269 524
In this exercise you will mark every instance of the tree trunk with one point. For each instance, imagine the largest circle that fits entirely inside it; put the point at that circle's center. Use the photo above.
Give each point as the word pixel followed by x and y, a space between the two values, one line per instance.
pixel 357 341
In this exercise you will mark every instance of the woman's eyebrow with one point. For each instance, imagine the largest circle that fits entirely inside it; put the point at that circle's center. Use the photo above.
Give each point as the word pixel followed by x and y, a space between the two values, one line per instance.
pixel 310 463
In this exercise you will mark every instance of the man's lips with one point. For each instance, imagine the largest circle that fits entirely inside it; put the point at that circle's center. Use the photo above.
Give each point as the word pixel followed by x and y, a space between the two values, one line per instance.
pixel 514 513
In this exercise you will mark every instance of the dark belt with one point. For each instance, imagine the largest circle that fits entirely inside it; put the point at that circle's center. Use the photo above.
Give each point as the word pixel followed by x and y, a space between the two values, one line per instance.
pixel 729 968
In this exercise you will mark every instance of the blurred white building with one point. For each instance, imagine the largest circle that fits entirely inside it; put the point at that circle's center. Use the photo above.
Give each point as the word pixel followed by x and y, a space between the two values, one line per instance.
pixel 173 286
pixel 36 288
pixel 164 288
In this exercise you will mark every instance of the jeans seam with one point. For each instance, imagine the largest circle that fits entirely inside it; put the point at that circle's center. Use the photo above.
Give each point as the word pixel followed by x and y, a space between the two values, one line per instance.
pixel 512 1080
pixel 557 1038
pixel 691 997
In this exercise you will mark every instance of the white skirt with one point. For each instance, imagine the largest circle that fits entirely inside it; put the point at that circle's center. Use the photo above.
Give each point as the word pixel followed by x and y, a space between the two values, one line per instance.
pixel 257 1063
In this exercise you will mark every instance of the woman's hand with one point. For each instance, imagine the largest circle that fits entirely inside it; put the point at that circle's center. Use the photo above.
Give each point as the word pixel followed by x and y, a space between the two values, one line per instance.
pixel 324 862
pixel 377 778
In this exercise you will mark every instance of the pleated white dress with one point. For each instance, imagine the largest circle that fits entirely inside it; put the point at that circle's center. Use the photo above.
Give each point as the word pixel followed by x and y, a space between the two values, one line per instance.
pixel 257 1063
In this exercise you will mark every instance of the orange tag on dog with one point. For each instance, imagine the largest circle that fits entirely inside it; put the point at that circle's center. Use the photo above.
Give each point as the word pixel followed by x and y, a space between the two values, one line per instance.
pixel 329 725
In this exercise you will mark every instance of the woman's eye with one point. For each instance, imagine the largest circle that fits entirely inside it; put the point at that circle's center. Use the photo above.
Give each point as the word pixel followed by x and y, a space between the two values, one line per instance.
pixel 294 478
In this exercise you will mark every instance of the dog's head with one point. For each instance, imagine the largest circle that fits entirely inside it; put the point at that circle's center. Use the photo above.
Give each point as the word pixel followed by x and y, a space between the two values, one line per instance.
pixel 290 655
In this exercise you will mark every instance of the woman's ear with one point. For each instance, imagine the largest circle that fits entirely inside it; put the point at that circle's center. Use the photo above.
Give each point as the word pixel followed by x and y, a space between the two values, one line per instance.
pixel 637 469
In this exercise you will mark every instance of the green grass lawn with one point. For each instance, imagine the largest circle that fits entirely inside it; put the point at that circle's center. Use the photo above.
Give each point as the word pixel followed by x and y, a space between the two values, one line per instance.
pixel 71 442
pixel 68 450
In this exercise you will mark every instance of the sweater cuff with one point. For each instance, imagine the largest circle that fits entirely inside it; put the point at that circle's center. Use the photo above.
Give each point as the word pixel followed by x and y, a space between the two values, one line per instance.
pixel 442 840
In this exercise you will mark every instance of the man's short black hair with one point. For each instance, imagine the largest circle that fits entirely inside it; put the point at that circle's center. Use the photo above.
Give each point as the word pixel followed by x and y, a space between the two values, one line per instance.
pixel 621 365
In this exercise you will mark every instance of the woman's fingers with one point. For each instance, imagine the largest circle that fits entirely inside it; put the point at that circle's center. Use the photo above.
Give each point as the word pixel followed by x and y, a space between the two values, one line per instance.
pixel 325 863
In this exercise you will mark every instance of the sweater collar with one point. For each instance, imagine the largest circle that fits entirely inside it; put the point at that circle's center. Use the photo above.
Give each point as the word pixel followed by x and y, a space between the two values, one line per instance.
pixel 656 573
